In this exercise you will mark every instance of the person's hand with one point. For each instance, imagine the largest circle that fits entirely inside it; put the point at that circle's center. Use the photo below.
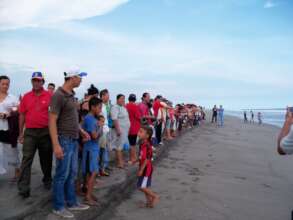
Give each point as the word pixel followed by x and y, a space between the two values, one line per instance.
pixel 20 139
pixel 119 132
pixel 2 115
pixel 58 152
pixel 139 173
pixel 85 136
pixel 280 151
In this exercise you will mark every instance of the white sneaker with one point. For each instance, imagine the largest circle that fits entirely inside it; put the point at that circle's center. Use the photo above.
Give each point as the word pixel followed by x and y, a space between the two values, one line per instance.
pixel 79 207
pixel 63 213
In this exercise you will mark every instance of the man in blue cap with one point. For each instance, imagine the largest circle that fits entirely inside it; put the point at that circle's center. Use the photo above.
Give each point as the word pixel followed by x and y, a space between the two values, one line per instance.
pixel 33 116
pixel 64 131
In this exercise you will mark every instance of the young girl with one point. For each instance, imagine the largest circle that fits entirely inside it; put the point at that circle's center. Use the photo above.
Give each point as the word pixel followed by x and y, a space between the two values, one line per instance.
pixel 145 166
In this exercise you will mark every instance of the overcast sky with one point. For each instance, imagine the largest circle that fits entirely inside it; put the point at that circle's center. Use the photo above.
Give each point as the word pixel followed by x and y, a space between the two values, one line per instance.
pixel 238 53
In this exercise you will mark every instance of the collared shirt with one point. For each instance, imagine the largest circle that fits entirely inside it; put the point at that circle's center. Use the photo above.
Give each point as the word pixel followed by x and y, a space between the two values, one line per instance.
pixel 35 109
pixel 64 105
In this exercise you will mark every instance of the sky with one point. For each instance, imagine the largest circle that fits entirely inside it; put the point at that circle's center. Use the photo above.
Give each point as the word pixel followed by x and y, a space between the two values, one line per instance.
pixel 238 53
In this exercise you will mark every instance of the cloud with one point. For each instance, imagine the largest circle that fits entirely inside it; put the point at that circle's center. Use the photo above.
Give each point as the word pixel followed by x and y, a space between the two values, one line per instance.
pixel 32 13
pixel 270 4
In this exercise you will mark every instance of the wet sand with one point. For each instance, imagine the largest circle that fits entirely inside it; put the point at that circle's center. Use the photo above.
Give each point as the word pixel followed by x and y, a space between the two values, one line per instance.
pixel 224 173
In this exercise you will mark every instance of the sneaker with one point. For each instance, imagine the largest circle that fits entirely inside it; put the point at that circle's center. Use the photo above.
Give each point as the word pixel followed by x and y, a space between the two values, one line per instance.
pixel 79 207
pixel 63 213
pixel 25 195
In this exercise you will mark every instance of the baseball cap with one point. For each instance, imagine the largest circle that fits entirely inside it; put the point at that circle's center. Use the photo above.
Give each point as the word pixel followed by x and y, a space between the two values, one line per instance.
pixel 38 75
pixel 74 72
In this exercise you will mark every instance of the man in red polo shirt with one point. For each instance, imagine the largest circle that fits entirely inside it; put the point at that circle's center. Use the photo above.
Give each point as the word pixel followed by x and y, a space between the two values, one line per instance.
pixel 33 117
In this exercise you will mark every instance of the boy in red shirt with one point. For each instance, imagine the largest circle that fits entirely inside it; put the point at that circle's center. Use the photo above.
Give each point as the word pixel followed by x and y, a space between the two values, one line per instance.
pixel 145 166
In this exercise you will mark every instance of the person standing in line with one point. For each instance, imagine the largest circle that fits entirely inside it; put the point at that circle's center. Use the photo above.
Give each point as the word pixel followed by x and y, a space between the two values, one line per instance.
pixel 251 117
pixel 134 117
pixel 121 121
pixel 51 88
pixel 259 118
pixel 215 114
pixel 64 130
pixel 8 108
pixel 158 107
pixel 245 117
pixel 107 135
pixel 33 116
pixel 145 170
pixel 221 116
pixel 91 148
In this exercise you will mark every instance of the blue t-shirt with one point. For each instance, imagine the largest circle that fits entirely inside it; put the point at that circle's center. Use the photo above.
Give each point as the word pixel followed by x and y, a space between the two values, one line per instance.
pixel 90 125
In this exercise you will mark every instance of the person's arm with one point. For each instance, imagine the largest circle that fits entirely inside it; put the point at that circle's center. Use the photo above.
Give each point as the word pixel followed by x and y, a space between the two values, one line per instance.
pixel 285 131
pixel 21 127
pixel 57 149
pixel 114 114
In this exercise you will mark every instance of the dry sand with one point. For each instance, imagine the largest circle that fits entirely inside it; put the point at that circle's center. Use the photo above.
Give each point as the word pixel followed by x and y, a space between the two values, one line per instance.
pixel 224 173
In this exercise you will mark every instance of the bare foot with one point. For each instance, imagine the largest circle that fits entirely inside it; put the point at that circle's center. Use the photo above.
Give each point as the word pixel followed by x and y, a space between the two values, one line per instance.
pixel 156 199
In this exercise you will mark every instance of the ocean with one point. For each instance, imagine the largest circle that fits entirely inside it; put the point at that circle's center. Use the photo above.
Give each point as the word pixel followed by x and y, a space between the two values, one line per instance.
pixel 271 117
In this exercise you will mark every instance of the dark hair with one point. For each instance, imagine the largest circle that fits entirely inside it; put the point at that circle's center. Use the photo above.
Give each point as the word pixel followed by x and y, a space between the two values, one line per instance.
pixel 92 90
pixel 4 78
pixel 104 92
pixel 148 130
pixel 52 84
pixel 144 95
pixel 119 96
pixel 132 98
pixel 94 102
pixel 100 117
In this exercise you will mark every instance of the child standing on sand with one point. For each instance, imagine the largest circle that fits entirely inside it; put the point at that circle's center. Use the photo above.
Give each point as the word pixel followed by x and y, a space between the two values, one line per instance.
pixel 90 154
pixel 145 166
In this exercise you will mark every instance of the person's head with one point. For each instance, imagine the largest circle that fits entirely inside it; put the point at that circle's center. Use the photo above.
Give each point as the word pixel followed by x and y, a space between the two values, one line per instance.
pixel 146 97
pixel 145 133
pixel 104 94
pixel 121 99
pixel 95 106
pixel 93 91
pixel 51 87
pixel 101 119
pixel 38 81
pixel 73 77
pixel 132 98
pixel 4 84
pixel 221 106
pixel 158 98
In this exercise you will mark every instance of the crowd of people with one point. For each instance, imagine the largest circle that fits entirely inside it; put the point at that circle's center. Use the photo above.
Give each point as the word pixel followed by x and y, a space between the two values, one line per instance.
pixel 218 115
pixel 83 134
pixel 251 120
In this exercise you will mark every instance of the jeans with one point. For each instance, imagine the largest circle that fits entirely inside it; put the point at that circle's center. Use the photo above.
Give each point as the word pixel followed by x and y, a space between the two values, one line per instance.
pixel 221 120
pixel 104 158
pixel 35 139
pixel 65 175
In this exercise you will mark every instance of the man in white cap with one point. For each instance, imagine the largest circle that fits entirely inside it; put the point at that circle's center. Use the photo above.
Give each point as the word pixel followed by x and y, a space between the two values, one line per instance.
pixel 64 130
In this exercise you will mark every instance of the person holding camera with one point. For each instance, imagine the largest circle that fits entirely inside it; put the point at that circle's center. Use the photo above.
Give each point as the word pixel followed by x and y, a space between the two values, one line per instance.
pixel 285 140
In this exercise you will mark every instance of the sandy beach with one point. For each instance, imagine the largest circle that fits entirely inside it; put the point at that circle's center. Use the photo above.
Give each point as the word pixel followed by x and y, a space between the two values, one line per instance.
pixel 214 173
